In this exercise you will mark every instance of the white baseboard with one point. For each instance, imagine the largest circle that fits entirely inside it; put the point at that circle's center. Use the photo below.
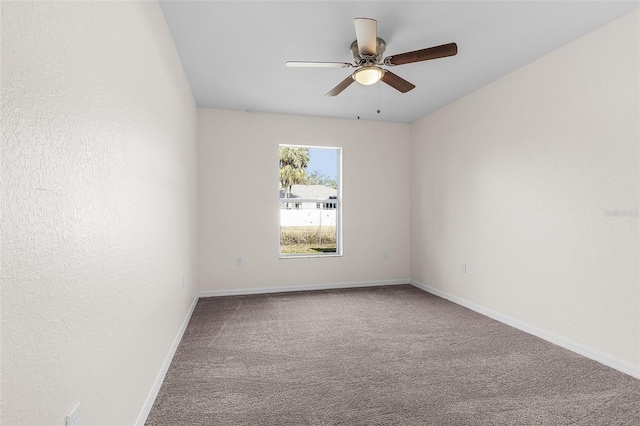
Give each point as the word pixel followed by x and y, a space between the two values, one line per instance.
pixel 594 354
pixel 146 408
pixel 263 290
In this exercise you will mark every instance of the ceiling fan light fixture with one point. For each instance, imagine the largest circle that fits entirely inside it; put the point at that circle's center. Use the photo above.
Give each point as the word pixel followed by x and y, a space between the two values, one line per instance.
pixel 368 75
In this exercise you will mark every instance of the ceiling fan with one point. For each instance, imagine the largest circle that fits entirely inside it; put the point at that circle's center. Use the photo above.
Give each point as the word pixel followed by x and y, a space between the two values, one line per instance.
pixel 367 52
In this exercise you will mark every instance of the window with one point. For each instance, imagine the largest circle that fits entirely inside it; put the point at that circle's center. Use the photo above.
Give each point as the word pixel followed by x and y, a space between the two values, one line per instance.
pixel 310 200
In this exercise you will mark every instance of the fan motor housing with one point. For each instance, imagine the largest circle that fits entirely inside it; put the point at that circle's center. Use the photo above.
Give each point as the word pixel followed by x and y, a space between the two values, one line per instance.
pixel 359 59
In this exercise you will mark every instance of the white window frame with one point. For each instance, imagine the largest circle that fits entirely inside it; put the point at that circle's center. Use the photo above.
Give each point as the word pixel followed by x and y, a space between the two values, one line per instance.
pixel 337 201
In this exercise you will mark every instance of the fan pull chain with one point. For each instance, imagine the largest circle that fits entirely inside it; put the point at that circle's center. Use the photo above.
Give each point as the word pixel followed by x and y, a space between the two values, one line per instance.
pixel 378 84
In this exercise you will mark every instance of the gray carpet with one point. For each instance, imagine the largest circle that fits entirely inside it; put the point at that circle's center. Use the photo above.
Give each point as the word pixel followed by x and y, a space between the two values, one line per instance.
pixel 378 356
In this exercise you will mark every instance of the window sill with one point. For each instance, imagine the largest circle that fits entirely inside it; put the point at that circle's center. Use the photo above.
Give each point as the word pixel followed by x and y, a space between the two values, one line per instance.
pixel 306 255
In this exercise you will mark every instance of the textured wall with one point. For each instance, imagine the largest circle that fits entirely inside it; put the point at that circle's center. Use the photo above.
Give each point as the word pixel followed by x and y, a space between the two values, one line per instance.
pixel 238 169
pixel 519 180
pixel 98 207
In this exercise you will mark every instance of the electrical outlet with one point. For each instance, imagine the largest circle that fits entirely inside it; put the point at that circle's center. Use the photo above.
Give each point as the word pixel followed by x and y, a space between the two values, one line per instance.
pixel 463 268
pixel 385 256
pixel 73 419
pixel 239 261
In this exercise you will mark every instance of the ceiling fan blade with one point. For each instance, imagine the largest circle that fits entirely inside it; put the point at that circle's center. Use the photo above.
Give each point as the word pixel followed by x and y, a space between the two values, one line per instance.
pixel 366 35
pixel 423 54
pixel 340 87
pixel 397 82
pixel 308 64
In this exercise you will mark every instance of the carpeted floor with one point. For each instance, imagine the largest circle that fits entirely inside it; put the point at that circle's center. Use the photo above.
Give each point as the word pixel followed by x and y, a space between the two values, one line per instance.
pixel 378 356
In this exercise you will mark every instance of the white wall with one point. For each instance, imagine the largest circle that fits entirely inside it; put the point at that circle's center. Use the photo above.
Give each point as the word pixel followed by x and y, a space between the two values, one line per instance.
pixel 238 170
pixel 98 208
pixel 515 179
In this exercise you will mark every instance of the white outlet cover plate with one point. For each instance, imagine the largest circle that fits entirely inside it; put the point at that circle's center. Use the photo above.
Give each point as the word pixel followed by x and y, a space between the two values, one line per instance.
pixel 73 419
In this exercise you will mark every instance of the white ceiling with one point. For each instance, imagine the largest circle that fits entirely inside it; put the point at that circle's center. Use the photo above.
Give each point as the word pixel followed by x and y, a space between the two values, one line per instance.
pixel 234 52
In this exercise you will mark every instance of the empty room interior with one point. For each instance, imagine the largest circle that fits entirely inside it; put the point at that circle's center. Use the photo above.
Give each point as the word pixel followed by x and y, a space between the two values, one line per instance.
pixel 479 259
